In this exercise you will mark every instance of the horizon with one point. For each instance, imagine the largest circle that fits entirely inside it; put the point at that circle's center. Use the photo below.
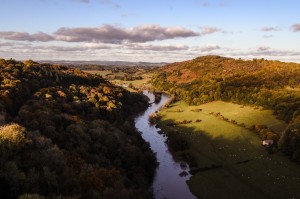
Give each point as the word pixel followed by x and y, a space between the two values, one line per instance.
pixel 157 31
pixel 147 62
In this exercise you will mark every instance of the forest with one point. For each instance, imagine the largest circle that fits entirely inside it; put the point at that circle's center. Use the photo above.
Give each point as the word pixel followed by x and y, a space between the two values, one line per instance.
pixel 270 84
pixel 69 134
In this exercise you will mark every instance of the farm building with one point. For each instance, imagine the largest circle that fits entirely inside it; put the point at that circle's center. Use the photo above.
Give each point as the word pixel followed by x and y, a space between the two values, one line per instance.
pixel 268 142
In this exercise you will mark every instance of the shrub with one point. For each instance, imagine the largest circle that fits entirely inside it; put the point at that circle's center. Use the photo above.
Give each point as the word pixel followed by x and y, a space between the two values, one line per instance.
pixel 152 118
pixel 13 134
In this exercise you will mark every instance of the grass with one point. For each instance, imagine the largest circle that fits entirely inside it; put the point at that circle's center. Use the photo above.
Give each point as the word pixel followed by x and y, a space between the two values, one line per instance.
pixel 104 73
pixel 214 141
pixel 143 83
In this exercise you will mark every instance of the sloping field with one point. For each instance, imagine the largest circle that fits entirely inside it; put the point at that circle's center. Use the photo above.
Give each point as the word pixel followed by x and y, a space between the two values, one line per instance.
pixel 247 169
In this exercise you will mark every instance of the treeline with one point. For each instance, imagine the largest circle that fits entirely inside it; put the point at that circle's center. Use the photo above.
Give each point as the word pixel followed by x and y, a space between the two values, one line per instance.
pixel 126 77
pixel 271 84
pixel 69 134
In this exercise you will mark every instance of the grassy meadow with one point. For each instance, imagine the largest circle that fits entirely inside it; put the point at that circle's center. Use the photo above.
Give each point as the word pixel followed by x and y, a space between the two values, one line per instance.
pixel 248 170
pixel 136 85
pixel 146 77
pixel 105 73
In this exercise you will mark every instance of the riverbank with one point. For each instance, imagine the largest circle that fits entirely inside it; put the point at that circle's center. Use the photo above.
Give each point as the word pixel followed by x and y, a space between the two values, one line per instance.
pixel 170 179
pixel 228 160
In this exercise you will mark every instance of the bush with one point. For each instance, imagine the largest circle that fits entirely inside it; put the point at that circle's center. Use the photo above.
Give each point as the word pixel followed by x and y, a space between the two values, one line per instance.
pixel 13 134
pixel 152 118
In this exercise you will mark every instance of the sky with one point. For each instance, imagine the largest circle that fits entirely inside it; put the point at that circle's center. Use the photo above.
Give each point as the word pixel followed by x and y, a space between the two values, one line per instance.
pixel 149 30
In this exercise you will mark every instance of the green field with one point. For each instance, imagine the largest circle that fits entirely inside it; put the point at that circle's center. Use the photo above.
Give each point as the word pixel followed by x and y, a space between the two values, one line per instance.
pixel 248 171
pixel 104 73
pixel 137 84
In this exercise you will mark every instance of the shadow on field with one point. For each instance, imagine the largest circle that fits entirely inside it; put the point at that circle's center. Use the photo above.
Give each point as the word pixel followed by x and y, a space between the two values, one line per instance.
pixel 231 168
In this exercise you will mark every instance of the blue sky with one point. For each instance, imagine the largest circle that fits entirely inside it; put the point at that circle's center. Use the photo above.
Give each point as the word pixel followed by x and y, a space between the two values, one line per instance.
pixel 149 30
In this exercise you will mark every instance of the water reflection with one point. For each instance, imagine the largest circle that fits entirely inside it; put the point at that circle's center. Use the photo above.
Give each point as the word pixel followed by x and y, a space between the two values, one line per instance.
pixel 167 183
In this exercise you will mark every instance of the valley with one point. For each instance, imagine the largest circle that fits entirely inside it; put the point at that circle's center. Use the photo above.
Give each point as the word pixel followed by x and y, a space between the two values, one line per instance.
pixel 217 124
pixel 130 99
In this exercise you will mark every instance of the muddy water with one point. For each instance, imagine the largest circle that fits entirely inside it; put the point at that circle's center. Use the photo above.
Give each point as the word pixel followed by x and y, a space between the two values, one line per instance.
pixel 167 183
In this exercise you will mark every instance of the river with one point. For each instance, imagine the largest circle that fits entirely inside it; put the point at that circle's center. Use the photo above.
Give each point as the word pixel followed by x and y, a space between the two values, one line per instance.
pixel 167 182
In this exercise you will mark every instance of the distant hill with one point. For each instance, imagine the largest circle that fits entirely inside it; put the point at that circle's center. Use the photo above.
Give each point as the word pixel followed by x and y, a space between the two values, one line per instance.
pixel 273 85
pixel 65 133
pixel 106 63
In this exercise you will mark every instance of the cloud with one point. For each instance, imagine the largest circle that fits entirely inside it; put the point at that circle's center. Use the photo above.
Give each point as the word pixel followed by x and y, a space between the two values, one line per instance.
pixel 156 47
pixel 110 34
pixel 61 48
pixel 207 48
pixel 24 36
pixel 94 47
pixel 209 30
pixel 296 27
pixel 269 29
pixel 98 46
pixel 87 47
pixel 114 34
pixel 266 51
pixel 275 53
pixel 263 48
pixel 2 44
pixel 268 36
pixel 139 52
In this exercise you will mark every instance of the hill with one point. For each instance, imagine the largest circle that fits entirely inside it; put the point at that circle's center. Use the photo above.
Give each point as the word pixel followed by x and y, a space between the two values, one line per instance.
pixel 120 64
pixel 68 134
pixel 272 85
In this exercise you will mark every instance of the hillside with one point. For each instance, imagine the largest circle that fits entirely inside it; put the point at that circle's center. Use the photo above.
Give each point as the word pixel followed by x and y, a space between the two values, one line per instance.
pixel 68 134
pixel 272 85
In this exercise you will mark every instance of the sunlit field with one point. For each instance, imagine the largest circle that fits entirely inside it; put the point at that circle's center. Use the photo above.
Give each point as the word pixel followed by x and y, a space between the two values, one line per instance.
pixel 247 169
pixel 132 86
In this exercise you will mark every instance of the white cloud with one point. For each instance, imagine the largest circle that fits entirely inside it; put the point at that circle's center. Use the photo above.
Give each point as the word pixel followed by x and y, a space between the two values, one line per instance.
pixel 209 30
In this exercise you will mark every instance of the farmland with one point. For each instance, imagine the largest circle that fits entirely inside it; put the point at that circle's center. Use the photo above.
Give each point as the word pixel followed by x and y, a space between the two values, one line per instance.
pixel 133 80
pixel 243 168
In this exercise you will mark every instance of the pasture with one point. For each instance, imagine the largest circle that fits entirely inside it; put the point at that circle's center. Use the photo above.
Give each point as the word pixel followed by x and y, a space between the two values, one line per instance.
pixel 106 73
pixel 114 77
pixel 247 169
